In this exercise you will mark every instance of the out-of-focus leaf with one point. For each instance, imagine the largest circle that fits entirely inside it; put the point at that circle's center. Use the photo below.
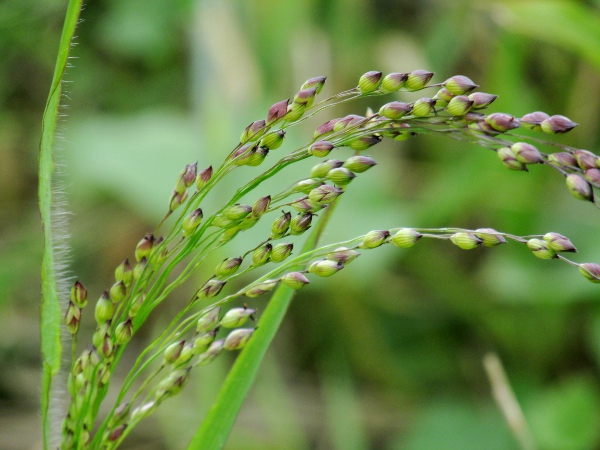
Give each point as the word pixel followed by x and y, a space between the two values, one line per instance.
pixel 570 25
pixel 456 425
pixel 566 416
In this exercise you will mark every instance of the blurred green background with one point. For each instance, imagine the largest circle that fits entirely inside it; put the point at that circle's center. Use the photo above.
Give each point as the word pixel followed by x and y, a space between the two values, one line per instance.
pixel 387 354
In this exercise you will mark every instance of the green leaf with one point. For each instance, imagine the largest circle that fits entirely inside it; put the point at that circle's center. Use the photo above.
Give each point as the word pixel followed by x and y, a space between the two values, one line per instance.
pixel 217 424
pixel 51 317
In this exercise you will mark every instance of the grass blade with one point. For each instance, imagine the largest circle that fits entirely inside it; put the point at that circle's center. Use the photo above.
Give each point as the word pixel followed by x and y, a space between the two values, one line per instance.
pixel 216 426
pixel 50 309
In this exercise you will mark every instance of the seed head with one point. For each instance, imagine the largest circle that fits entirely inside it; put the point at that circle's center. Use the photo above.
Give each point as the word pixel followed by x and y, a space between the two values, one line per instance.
pixel 236 317
pixel 557 124
pixel 459 85
pixel 123 332
pixel 281 252
pixel 295 280
pixel 276 112
pixel 243 154
pixel 423 107
pixel 79 294
pixel 142 411
pixel 237 339
pixel 490 237
pixel 364 142
pixel 343 255
pixel 315 82
pixel 324 194
pixel 559 243
pixel 213 351
pixel 104 309
pixel 295 111
pixel 300 223
pixel 124 272
pixel 253 131
pixel 261 288
pixel 306 97
pixel 509 159
pixel 392 82
pixel 208 321
pixel 541 249
pixel 586 160
pixel 304 205
pixel 281 225
pixel 443 97
pixel 322 169
pixel 136 306
pixel 502 122
pixel 201 343
pixel 261 206
pixel 272 141
pixel 257 157
pixel 223 222
pixel 405 237
pixel 204 177
pixel 325 129
pixel 593 176
pixel 320 149
pixel 117 292
pixel 210 289
pixel 172 384
pixel 374 239
pixel 466 241
pixel 526 153
pixel 359 163
pixel 347 121
pixel 228 267
pixel 237 211
pixel 261 255
pixel 532 121
pixel 191 222
pixel 481 100
pixel 564 159
pixel 116 432
pixel 173 351
pixel 325 268
pixel 73 317
pixel 417 80
pixel 590 271
pixel 579 188
pixel 144 247
pixel 307 185
pixel 340 176
pixel 395 110
pixel 139 268
pixel 186 177
pixel 459 105
pixel 369 82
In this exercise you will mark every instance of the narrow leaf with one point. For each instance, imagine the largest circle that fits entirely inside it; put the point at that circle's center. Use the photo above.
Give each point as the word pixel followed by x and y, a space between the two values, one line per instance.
pixel 50 310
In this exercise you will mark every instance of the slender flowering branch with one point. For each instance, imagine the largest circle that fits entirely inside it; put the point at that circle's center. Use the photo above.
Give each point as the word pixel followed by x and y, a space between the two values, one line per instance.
pixel 208 325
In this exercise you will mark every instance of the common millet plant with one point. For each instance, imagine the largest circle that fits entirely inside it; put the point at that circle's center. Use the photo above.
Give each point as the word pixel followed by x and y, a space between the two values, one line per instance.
pixel 177 249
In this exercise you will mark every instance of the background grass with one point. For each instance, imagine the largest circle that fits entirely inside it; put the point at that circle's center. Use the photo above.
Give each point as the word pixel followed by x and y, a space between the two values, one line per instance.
pixel 386 354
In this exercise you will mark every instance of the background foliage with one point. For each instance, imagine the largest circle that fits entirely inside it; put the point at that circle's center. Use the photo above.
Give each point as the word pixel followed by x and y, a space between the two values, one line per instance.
pixel 388 353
